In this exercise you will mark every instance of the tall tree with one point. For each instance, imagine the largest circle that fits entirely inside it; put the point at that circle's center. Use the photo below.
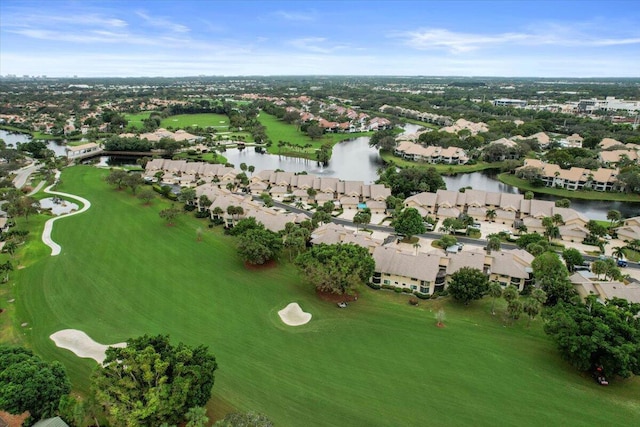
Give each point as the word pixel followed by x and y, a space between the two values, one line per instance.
pixel 133 181
pixel 552 276
pixel 258 245
pixel 532 308
pixel 338 269
pixel 362 217
pixel 187 195
pixel 572 257
pixel 468 284
pixel 409 223
pixel 151 381
pixel 117 177
pixel 28 383
pixel 614 216
pixel 495 292
pixel 493 244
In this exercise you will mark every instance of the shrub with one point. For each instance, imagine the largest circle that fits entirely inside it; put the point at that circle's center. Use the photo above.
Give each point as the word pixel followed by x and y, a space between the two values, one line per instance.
pixel 189 208
pixel 413 301
pixel 421 295
pixel 397 290
pixel 374 285
pixel 407 291
pixel 201 214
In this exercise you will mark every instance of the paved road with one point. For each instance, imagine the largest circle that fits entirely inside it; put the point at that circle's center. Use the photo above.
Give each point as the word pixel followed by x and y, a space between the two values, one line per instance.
pixel 430 235
pixel 22 174
pixel 48 226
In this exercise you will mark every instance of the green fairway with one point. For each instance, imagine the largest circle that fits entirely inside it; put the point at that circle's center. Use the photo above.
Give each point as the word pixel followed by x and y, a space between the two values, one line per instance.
pixel 135 120
pixel 380 362
pixel 205 120
pixel 303 146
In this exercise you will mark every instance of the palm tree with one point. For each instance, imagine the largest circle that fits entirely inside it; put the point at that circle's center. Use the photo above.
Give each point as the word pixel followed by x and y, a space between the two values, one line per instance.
pixel 618 252
pixel 557 219
pixel 493 244
pixel 491 214
pixel 416 246
pixel 614 216
pixel 532 308
pixel 217 211
pixel 231 186
pixel 495 292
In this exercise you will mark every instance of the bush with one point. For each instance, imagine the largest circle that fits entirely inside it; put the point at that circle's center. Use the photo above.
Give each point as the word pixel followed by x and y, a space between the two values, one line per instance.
pixel 407 291
pixel 413 301
pixel 374 285
pixel 201 214
pixel 397 290
pixel 387 287
pixel 421 295
pixel 189 208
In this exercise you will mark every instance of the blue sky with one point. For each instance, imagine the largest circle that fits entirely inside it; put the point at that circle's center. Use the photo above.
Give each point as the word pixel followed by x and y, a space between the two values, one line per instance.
pixel 185 38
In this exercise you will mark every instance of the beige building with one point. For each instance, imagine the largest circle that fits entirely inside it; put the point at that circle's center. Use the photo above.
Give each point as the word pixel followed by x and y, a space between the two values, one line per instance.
pixel 586 283
pixel 427 273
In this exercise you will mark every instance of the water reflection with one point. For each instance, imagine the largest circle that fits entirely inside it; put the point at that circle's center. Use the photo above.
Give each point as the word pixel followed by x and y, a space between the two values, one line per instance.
pixel 351 160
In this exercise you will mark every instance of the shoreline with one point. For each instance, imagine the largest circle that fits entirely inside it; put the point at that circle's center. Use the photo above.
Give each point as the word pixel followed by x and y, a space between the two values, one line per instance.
pixel 521 184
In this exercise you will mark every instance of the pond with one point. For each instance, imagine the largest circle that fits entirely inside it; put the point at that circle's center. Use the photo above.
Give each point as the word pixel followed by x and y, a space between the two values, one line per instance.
pixel 351 160
pixel 488 181
pixel 13 139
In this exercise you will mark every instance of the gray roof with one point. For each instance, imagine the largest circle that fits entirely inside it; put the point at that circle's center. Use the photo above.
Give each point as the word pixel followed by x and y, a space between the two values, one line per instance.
pixel 51 422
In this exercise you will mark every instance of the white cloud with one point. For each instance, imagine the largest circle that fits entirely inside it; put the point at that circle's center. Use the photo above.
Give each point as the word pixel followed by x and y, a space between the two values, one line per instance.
pixel 544 35
pixel 294 16
pixel 163 23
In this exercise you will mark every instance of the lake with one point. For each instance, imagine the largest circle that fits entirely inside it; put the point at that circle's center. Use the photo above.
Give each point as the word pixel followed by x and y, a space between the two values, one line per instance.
pixel 356 160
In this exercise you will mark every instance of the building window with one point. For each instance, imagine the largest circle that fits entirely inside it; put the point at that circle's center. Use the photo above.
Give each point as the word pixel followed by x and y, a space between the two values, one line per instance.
pixel 385 281
pixel 414 287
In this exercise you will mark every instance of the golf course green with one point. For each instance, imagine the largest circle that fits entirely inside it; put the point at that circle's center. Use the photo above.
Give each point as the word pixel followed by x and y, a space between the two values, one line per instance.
pixel 123 272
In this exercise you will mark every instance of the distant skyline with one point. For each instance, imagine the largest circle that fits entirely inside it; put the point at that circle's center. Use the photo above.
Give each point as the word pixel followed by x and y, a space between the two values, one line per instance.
pixel 435 38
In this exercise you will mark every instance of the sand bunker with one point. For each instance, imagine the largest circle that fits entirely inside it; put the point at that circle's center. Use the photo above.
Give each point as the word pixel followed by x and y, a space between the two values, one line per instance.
pixel 293 315
pixel 82 344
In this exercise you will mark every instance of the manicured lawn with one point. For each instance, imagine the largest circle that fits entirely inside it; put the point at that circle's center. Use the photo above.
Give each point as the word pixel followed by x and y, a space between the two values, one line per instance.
pixel 277 130
pixel 186 121
pixel 122 272
pixel 522 184
pixel 389 157
pixel 135 120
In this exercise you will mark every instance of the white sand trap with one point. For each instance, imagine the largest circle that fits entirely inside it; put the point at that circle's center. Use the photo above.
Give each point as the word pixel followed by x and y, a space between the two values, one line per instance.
pixel 82 344
pixel 293 315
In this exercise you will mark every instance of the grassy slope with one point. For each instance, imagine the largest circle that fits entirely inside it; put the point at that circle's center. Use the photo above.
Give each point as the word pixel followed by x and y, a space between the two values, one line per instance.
pixel 278 130
pixel 122 273
pixel 522 184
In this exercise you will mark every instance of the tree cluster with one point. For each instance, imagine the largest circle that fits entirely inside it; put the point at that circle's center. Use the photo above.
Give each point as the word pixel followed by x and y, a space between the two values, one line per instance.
pixel 337 269
pixel 594 334
pixel 28 383
pixel 151 381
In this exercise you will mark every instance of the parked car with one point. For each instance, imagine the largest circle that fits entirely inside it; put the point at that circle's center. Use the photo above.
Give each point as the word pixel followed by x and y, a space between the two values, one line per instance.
pixel 622 263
